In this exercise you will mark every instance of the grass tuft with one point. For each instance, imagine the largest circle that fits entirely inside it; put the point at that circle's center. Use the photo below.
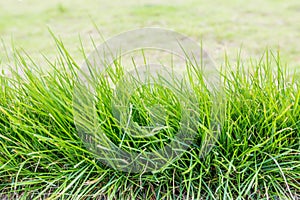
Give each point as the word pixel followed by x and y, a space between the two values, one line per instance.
pixel 256 156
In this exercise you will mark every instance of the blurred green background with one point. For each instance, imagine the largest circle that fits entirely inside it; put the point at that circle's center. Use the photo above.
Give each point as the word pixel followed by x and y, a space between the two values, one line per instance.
pixel 223 26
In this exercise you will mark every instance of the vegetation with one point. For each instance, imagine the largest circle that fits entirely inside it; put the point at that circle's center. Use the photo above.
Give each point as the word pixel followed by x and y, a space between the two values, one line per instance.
pixel 256 156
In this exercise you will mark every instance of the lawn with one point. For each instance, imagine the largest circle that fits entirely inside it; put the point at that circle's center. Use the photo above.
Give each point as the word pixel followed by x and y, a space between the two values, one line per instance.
pixel 222 26
pixel 256 151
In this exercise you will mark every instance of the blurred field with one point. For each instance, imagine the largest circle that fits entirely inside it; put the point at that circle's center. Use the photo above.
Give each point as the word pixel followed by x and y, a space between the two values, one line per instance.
pixel 222 26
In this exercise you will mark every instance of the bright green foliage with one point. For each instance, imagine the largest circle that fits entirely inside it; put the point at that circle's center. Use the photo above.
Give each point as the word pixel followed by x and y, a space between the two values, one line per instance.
pixel 257 154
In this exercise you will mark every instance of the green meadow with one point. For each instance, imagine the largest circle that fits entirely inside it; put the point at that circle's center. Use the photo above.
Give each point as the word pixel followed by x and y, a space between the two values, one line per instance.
pixel 256 154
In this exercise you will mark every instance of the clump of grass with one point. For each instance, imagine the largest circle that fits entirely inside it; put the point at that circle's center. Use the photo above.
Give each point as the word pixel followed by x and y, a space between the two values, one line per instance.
pixel 256 156
pixel 142 116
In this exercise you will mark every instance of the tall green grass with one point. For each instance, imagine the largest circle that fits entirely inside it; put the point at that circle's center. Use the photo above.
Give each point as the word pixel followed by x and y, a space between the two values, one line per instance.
pixel 256 156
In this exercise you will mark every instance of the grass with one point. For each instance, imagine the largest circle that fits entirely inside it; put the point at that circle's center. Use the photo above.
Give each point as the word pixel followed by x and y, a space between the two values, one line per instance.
pixel 220 25
pixel 256 156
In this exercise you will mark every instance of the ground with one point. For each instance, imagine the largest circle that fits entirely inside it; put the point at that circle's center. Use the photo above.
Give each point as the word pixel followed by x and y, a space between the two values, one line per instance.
pixel 222 26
